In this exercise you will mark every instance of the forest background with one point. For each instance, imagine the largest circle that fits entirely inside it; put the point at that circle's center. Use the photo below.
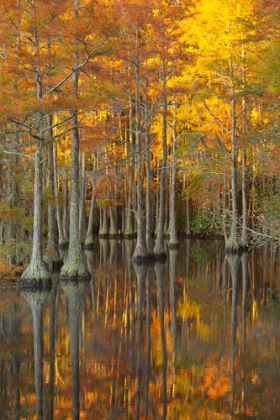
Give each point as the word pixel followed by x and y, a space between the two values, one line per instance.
pixel 136 119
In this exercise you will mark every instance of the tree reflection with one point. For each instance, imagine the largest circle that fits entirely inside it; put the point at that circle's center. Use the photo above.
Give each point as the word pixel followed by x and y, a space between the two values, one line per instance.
pixel 234 261
pixel 37 299
pixel 74 292
pixel 159 277
pixel 172 280
pixel 149 277
pixel 141 272
pixel 53 300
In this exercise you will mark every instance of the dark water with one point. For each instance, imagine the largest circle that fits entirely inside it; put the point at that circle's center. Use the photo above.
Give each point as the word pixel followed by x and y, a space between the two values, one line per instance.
pixel 195 338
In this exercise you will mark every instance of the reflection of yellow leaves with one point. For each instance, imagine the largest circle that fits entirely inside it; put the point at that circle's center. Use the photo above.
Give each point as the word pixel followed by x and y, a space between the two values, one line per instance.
pixel 254 310
pixel 189 309
pixel 192 311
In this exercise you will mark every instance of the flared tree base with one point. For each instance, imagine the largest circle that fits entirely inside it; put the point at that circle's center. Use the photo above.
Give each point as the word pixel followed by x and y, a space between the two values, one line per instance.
pixel 35 276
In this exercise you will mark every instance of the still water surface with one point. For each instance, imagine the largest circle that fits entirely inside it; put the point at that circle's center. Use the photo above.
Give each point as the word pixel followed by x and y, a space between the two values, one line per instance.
pixel 195 338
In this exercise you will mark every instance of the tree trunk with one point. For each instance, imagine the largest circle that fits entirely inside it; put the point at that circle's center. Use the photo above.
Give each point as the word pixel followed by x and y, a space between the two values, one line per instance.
pixel 51 256
pixel 36 272
pixel 233 243
pixel 159 249
pixel 89 236
pixel 149 221
pixel 82 210
pixel 75 265
pixel 173 238
pixel 104 227
pixel 140 252
pixel 61 238
pixel 244 234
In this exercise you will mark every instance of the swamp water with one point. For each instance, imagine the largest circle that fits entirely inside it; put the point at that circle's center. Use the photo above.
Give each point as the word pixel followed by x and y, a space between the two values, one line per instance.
pixel 195 338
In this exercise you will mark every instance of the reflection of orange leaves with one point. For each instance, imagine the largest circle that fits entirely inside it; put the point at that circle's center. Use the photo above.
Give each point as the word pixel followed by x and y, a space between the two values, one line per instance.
pixel 216 383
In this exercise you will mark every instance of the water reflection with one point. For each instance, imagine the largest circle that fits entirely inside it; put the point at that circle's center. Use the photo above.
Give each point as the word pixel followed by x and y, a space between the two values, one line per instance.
pixel 196 337
pixel 36 299
pixel 75 294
